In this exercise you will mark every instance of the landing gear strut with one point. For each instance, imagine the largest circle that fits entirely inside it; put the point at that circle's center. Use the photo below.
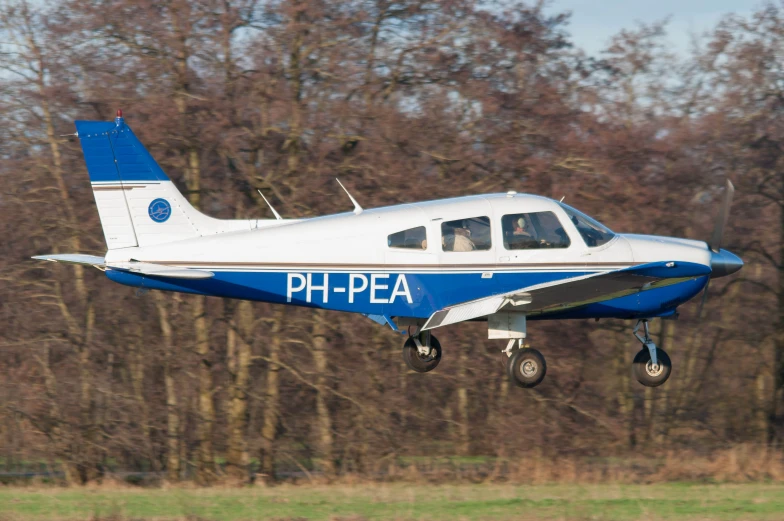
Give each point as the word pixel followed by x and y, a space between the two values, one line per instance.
pixel 651 366
pixel 422 352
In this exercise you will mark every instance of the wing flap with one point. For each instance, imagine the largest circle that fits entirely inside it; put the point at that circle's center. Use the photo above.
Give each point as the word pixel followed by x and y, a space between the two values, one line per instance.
pixel 466 311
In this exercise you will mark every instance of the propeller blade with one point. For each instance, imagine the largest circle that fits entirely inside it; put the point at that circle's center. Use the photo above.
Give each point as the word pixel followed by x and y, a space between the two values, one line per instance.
pixel 704 299
pixel 721 222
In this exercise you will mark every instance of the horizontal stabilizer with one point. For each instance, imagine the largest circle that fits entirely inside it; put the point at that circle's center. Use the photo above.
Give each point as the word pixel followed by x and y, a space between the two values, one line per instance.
pixel 142 268
pixel 160 270
pixel 73 258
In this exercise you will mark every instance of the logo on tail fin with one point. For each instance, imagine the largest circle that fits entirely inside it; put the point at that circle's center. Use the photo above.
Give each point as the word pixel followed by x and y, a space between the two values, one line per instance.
pixel 159 210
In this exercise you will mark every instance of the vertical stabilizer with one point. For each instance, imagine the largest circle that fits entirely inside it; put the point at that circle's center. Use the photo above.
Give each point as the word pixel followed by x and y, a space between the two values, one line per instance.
pixel 137 203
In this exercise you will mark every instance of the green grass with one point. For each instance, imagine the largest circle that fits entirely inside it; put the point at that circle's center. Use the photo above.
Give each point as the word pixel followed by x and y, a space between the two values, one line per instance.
pixel 394 502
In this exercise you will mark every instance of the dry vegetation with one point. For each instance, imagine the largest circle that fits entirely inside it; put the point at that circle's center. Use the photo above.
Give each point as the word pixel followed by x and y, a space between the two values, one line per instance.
pixel 405 101
pixel 400 502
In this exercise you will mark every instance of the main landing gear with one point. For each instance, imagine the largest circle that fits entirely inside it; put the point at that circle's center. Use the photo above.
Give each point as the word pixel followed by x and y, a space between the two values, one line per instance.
pixel 526 366
pixel 422 352
pixel 651 366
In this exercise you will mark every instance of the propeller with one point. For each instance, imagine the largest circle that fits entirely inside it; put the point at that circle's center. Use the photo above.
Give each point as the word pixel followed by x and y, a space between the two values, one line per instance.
pixel 718 234
pixel 721 222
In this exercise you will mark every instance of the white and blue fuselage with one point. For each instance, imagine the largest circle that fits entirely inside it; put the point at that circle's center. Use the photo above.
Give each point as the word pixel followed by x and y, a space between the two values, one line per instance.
pixel 409 260
pixel 504 258
pixel 344 262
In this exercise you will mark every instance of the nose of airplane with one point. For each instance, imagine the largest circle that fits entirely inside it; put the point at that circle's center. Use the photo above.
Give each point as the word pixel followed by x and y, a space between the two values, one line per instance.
pixel 724 263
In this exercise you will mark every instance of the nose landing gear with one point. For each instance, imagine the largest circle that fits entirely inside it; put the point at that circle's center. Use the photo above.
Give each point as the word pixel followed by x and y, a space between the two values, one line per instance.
pixel 651 366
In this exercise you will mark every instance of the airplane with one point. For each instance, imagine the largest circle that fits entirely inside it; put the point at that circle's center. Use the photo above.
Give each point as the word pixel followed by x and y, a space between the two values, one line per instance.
pixel 503 258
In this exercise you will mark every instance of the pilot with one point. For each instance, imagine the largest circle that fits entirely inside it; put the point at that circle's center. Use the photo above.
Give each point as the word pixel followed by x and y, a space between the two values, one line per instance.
pixel 520 227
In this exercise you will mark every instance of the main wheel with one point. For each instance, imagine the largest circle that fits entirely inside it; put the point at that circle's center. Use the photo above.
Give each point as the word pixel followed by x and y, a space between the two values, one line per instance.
pixel 648 374
pixel 419 363
pixel 526 367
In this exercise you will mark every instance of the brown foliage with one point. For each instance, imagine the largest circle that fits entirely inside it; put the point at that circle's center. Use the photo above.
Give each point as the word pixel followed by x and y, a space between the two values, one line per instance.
pixel 405 101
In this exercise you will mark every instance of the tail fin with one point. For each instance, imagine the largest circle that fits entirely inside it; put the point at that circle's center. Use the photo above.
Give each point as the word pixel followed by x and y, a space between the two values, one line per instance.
pixel 137 204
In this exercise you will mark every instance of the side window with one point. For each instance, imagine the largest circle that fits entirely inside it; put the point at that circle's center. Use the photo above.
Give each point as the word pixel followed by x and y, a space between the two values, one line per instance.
pixel 472 234
pixel 527 231
pixel 412 239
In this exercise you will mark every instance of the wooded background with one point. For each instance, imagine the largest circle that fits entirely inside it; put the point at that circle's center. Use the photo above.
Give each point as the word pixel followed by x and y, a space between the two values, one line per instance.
pixel 405 101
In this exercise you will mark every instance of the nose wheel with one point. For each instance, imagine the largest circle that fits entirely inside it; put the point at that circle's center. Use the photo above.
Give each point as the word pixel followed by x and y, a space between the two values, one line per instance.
pixel 422 352
pixel 651 366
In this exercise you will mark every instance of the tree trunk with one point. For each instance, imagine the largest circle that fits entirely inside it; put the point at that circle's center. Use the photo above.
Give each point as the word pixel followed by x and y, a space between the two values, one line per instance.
pixel 777 400
pixel 319 349
pixel 668 344
pixel 88 463
pixel 761 413
pixel 137 359
pixel 205 463
pixel 172 412
pixel 271 403
pixel 54 430
pixel 238 338
pixel 464 442
pixel 623 397
pixel 81 339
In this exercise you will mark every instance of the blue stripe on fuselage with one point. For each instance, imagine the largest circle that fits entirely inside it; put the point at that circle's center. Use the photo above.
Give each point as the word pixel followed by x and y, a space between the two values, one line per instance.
pixel 392 294
pixel 405 294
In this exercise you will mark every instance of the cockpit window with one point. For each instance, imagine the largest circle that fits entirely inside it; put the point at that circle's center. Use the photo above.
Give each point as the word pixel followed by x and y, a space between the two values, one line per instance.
pixel 411 239
pixel 527 231
pixel 594 233
pixel 472 234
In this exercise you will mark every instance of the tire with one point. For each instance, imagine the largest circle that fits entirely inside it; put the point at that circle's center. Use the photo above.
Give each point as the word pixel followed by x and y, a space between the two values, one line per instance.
pixel 526 368
pixel 417 362
pixel 645 373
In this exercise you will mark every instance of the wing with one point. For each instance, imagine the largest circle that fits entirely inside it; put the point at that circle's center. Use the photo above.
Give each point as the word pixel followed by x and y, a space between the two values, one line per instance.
pixel 142 268
pixel 571 293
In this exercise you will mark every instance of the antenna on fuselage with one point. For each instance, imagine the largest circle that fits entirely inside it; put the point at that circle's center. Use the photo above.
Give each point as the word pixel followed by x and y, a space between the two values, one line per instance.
pixel 276 214
pixel 562 198
pixel 357 209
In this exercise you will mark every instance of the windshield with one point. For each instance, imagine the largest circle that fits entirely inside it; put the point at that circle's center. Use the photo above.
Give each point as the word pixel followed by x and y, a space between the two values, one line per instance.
pixel 594 233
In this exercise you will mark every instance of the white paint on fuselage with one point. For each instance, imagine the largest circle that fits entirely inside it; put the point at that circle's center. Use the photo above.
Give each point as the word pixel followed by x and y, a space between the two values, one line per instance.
pixel 352 242
pixel 653 248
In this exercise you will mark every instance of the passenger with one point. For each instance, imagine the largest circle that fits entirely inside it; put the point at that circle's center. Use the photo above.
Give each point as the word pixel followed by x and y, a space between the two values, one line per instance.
pixel 456 239
pixel 462 240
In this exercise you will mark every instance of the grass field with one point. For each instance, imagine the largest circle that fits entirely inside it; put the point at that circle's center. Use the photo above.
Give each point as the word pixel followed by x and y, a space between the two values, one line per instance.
pixel 399 502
